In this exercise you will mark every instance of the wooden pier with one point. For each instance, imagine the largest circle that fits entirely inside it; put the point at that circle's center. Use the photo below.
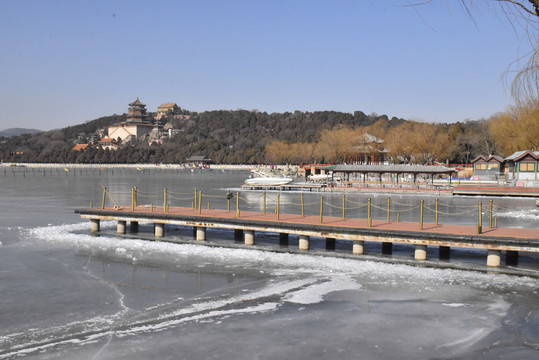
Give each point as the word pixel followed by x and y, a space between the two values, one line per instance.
pixel 493 240
pixel 293 186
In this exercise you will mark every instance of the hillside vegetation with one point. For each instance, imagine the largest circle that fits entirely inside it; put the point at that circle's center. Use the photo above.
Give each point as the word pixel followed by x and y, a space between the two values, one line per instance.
pixel 252 137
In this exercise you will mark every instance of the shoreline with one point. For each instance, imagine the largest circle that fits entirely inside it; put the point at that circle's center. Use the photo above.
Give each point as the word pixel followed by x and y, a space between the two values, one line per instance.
pixel 463 187
pixel 124 166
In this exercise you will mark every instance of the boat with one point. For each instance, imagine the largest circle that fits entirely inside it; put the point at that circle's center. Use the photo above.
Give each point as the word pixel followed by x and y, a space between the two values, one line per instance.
pixel 268 180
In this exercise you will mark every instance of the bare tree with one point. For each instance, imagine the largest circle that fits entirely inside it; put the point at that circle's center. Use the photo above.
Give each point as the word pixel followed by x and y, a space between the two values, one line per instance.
pixel 521 15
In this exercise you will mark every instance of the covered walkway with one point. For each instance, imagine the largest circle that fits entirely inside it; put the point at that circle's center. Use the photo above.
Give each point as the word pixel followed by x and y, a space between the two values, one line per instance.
pixel 394 170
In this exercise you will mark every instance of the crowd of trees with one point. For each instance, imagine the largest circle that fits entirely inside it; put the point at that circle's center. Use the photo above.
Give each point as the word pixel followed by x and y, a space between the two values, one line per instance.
pixel 237 136
pixel 252 137
pixel 418 142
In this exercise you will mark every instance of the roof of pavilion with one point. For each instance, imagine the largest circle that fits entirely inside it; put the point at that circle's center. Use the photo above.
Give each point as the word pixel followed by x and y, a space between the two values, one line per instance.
pixel 516 156
pixel 395 169
pixel 137 102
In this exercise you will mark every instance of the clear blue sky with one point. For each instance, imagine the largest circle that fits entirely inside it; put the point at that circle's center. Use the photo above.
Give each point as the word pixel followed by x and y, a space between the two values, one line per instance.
pixel 64 62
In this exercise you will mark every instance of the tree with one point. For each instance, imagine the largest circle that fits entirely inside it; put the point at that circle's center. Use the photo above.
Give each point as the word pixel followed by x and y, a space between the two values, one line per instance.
pixel 517 129
pixel 522 15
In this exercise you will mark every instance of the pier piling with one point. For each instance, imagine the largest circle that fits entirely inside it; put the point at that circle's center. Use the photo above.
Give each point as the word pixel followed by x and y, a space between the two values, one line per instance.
pixel 201 233
pixel 249 237
pixel 121 226
pixel 358 248
pixel 420 252
pixel 94 225
pixel 494 258
pixel 304 242
pixel 159 230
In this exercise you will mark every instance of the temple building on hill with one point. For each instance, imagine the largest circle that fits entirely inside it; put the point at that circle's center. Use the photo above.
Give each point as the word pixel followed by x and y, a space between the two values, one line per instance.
pixel 170 111
pixel 135 126
pixel 137 112
pixel 165 109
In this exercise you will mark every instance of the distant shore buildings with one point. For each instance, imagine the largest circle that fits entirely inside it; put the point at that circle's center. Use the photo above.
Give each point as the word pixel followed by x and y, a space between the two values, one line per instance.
pixel 139 125
pixel 521 167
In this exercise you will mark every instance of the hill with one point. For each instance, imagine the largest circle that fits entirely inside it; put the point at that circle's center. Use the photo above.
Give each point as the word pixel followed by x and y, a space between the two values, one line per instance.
pixel 18 131
pixel 225 136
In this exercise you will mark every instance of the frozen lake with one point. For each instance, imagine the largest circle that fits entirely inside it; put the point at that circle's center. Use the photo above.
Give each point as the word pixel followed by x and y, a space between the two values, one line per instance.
pixel 67 294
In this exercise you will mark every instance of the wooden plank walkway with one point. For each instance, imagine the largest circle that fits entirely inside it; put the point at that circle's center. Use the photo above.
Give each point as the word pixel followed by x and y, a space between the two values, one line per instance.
pixel 295 219
pixel 494 240
pixel 434 231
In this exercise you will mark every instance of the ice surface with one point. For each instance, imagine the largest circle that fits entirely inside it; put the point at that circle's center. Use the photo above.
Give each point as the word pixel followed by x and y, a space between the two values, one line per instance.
pixel 276 263
pixel 377 306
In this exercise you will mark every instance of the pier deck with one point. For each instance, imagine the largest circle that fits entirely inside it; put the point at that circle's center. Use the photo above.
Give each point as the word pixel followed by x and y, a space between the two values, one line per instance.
pixel 495 240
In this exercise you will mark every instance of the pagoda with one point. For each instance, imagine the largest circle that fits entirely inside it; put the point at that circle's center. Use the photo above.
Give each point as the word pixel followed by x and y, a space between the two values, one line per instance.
pixel 135 126
pixel 137 113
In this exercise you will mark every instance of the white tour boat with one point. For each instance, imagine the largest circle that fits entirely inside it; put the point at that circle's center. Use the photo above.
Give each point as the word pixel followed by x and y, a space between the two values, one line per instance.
pixel 268 180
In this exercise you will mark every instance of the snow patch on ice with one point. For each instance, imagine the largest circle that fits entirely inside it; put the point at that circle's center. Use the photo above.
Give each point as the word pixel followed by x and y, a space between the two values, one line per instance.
pixel 273 263
pixel 455 305
pixel 528 214
pixel 315 293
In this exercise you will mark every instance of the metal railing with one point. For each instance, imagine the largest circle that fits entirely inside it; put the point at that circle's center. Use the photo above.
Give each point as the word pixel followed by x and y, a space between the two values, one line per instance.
pixel 161 202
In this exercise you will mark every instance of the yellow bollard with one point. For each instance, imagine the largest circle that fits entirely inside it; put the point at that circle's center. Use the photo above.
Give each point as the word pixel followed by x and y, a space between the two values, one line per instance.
pixel 136 196
pixel 200 202
pixel 238 205
pixel 490 215
pixel 196 199
pixel 369 219
pixel 421 218
pixel 321 208
pixel 208 205
pixel 91 204
pixel 398 217
pixel 165 200
pixel 480 224
pixel 264 202
pixel 104 196
pixel 302 206
pixel 228 199
pixel 133 199
pixel 278 205
pixel 496 222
